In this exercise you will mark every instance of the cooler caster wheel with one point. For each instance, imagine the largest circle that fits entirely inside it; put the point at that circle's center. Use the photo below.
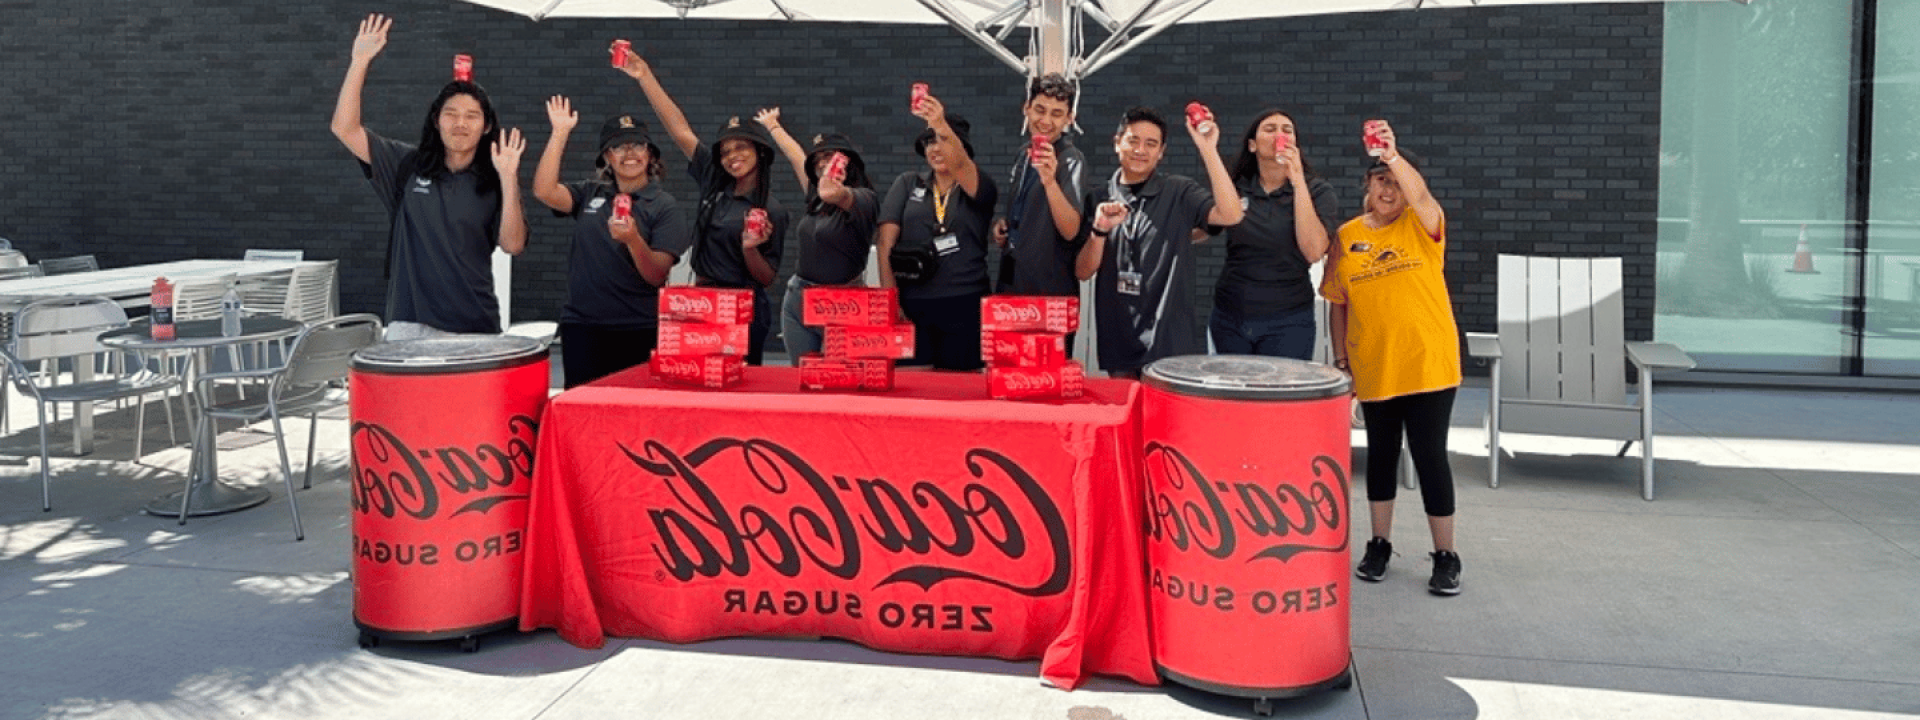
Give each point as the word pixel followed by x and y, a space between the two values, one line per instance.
pixel 1346 683
pixel 368 640
pixel 1263 707
pixel 469 644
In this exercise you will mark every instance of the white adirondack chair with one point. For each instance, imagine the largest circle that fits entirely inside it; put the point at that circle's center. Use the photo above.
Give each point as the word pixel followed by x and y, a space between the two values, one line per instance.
pixel 1558 360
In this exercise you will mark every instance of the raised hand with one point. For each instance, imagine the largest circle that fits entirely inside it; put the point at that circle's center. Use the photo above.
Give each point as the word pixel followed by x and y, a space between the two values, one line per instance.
pixel 636 66
pixel 1109 215
pixel 930 109
pixel 506 152
pixel 1044 162
pixel 1384 131
pixel 768 118
pixel 560 113
pixel 372 38
pixel 1206 133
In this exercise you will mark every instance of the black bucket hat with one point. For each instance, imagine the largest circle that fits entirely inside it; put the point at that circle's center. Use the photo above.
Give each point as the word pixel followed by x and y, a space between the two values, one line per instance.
pixel 831 143
pixel 961 130
pixel 620 130
pixel 733 128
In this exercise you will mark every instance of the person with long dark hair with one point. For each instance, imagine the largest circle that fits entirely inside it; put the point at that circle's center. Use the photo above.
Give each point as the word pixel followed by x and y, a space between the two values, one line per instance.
pixel 735 176
pixel 835 231
pixel 1391 322
pixel 939 219
pixel 627 233
pixel 1263 302
pixel 449 204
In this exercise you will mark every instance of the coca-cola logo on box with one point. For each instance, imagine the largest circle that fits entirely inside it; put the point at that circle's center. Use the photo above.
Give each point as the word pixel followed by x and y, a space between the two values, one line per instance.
pixel 684 304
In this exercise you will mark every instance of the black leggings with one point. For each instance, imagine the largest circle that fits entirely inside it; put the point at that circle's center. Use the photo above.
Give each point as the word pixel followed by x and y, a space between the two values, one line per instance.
pixel 1424 417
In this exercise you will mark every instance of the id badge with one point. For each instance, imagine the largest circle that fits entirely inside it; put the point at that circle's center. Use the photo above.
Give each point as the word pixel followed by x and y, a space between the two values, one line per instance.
pixel 947 244
pixel 1129 283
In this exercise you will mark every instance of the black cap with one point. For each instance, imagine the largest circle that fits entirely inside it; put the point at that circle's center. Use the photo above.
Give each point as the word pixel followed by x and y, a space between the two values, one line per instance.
pixel 961 130
pixel 733 128
pixel 1380 166
pixel 621 130
pixel 830 143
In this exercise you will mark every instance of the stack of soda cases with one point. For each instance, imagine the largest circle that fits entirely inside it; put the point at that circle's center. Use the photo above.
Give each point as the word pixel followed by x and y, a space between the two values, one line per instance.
pixel 703 336
pixel 860 340
pixel 1023 339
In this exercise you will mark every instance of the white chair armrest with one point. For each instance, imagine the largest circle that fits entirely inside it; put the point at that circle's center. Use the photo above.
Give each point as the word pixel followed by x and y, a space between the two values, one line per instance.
pixel 1658 356
pixel 1483 345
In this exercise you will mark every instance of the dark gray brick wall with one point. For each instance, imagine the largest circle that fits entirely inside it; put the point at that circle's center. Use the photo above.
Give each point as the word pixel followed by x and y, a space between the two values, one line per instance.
pixel 149 132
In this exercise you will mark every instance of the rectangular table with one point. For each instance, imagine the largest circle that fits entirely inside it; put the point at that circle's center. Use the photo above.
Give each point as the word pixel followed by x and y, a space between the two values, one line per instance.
pixel 926 520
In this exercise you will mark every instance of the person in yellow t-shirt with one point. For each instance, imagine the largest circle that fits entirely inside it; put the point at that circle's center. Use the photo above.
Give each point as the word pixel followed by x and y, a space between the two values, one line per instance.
pixel 1392 327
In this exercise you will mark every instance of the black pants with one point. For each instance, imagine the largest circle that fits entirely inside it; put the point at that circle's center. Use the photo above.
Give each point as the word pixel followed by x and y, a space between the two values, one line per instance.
pixel 946 331
pixel 1423 418
pixel 591 352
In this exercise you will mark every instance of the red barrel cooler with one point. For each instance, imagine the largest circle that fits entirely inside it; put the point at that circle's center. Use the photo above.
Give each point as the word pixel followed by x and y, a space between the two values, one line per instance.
pixel 1245 462
pixel 443 439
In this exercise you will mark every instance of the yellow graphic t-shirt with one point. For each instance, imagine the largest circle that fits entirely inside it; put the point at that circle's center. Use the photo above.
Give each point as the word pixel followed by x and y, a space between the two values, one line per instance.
pixel 1401 338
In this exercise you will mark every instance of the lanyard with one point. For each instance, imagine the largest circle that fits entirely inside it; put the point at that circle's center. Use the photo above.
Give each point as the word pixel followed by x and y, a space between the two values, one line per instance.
pixel 940 203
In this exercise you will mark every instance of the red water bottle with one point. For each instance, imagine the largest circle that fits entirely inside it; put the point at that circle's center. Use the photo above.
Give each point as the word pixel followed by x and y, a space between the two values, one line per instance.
pixel 161 313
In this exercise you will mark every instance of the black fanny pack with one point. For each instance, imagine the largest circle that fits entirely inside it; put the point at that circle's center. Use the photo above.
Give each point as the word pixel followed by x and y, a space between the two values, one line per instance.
pixel 913 264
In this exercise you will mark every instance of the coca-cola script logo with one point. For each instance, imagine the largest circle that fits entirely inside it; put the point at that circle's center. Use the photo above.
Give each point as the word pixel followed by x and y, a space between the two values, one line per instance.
pixel 1016 314
pixel 690 306
pixel 1292 515
pixel 701 339
pixel 677 368
pixel 391 478
pixel 998 527
pixel 873 341
pixel 1030 381
pixel 842 308
pixel 834 376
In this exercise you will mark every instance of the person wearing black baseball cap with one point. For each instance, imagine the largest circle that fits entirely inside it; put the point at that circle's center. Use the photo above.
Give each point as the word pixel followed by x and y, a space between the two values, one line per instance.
pixel 731 247
pixel 627 233
pixel 450 200
pixel 934 227
pixel 834 234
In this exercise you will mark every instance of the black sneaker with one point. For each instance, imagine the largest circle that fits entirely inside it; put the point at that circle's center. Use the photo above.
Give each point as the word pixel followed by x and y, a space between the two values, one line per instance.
pixel 1373 565
pixel 1446 573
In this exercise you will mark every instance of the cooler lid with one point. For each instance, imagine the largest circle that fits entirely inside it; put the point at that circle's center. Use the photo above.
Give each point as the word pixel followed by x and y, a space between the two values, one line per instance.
pixel 451 353
pixel 1246 377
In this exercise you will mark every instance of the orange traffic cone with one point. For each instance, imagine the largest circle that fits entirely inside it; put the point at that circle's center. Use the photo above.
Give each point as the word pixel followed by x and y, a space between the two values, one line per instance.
pixel 1803 256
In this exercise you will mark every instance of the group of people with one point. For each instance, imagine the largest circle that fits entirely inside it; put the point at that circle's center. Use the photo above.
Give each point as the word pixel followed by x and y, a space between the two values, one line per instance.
pixel 455 196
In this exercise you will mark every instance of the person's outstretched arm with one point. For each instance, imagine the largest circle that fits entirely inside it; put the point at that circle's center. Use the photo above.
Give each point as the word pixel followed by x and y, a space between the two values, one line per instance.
pixel 346 110
pixel 669 113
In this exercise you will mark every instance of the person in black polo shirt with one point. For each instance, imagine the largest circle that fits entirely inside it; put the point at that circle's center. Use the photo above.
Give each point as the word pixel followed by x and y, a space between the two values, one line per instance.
pixel 1140 237
pixel 734 175
pixel 1041 225
pixel 933 242
pixel 836 231
pixel 449 203
pixel 1263 303
pixel 617 263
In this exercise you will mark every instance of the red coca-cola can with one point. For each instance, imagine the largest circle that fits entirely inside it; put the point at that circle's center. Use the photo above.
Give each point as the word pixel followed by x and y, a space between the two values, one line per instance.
pixel 757 223
pixel 1280 145
pixel 837 166
pixel 1247 538
pixel 1197 114
pixel 1040 144
pixel 463 68
pixel 621 49
pixel 443 435
pixel 623 206
pixel 1370 134
pixel 920 90
pixel 724 306
pixel 865 307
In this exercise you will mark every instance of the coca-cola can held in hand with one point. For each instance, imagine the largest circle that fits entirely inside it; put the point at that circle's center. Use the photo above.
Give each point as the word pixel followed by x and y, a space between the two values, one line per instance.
pixel 837 166
pixel 463 68
pixel 1197 116
pixel 623 206
pixel 1279 144
pixel 1376 145
pixel 919 93
pixel 1040 144
pixel 757 221
pixel 621 49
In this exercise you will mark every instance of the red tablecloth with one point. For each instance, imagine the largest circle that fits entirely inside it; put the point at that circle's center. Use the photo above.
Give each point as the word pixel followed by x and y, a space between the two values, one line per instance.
pixel 928 519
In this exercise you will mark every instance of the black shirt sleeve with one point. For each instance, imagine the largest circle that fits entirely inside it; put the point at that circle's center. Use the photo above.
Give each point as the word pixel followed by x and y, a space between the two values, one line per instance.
pixel 895 206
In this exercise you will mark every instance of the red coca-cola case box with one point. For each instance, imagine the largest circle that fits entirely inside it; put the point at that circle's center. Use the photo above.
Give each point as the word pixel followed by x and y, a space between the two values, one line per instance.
pixel 1005 348
pixel 720 306
pixel 1021 383
pixel 885 341
pixel 1030 313
pixel 819 372
pixel 684 338
pixel 860 307
pixel 709 371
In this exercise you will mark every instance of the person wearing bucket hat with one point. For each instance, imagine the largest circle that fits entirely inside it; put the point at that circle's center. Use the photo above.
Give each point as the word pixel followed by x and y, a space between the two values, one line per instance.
pixel 627 233
pixel 835 232
pixel 731 247
pixel 933 235
pixel 450 200
pixel 1391 322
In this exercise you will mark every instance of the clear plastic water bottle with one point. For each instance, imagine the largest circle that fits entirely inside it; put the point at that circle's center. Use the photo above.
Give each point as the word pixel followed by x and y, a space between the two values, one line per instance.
pixel 230 312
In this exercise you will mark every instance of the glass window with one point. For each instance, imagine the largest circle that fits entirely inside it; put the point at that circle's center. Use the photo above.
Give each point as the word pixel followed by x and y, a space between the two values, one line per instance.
pixel 1891 345
pixel 1752 273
